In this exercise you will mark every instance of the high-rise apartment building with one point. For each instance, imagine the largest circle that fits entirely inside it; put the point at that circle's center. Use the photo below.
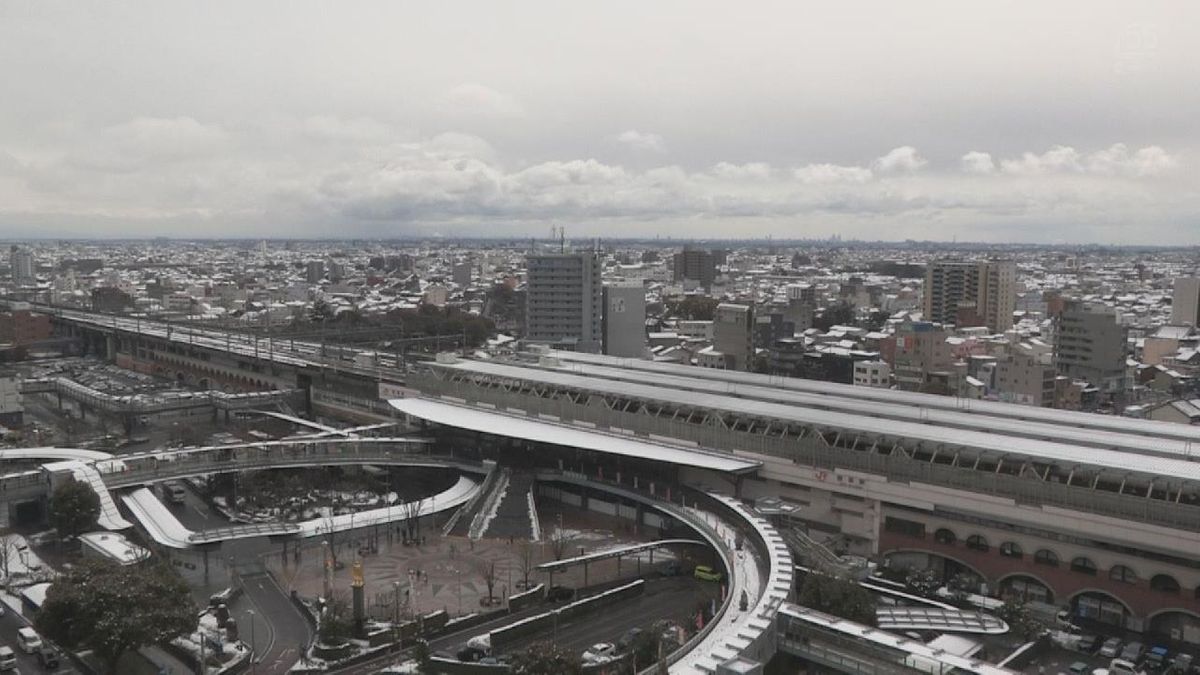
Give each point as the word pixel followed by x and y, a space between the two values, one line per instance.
pixel 1185 302
pixel 985 289
pixel 20 262
pixel 564 301
pixel 696 265
pixel 1089 345
pixel 625 319
pixel 733 335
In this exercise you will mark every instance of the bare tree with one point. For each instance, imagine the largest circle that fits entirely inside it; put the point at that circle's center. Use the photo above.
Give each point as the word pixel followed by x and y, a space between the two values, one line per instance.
pixel 560 542
pixel 487 571
pixel 412 519
pixel 10 551
pixel 526 557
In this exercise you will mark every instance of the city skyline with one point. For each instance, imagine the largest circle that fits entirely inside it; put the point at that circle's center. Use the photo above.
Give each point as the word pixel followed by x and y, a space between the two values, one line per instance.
pixel 989 124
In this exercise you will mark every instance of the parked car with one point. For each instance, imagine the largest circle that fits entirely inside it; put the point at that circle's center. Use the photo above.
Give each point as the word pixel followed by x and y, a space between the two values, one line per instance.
pixel 8 659
pixel 559 593
pixel 1133 652
pixel 1111 647
pixel 599 653
pixel 48 657
pixel 1156 658
pixel 706 573
pixel 1124 667
pixel 1088 643
pixel 1182 664
pixel 1080 668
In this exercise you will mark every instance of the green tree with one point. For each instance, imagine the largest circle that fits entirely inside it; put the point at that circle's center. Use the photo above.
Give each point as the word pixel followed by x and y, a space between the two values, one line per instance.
pixel 321 311
pixel 837 595
pixel 423 657
pixel 111 608
pixel 1020 619
pixel 74 508
pixel 546 658
pixel 923 582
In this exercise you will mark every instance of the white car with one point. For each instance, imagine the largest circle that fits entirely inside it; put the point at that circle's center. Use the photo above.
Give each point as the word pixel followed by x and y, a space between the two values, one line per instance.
pixel 599 653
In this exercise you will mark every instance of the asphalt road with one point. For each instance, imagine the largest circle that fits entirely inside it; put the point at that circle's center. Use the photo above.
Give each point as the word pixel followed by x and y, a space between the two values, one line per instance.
pixel 26 663
pixel 277 629
pixel 674 598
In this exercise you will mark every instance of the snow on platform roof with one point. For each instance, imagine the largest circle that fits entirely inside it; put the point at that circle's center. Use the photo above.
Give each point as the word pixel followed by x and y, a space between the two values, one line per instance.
pixel 920 400
pixel 1001 445
pixel 540 431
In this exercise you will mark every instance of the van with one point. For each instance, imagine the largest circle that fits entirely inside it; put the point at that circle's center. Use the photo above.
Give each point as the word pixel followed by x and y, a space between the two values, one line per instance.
pixel 28 640
pixel 8 660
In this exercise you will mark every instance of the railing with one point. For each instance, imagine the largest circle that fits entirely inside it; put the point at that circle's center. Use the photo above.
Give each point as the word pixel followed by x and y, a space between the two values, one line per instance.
pixel 493 472
pixel 374 406
pixel 811 452
pixel 150 472
pixel 480 522
pixel 151 403
pixel 683 515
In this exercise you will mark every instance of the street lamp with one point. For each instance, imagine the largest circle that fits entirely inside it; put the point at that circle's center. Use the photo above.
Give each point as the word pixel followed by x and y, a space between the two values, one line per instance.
pixel 253 662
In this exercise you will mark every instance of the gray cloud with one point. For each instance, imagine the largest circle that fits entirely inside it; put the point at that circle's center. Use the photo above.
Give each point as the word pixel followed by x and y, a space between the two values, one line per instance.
pixel 934 120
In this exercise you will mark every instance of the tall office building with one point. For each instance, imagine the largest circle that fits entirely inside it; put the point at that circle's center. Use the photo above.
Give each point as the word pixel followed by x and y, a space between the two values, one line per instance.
pixel 625 320
pixel 990 287
pixel 564 303
pixel 20 261
pixel 733 335
pixel 1185 302
pixel 696 265
pixel 314 271
pixel 1089 345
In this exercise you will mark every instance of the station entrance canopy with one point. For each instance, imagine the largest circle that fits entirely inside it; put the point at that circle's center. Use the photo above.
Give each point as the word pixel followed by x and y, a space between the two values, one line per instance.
pixel 541 431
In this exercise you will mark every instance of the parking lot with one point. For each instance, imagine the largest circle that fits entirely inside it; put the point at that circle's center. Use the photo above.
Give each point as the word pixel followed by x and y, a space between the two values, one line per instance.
pixel 1059 659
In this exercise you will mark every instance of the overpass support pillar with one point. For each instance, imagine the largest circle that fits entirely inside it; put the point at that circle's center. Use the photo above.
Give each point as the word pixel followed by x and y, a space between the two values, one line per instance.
pixel 110 348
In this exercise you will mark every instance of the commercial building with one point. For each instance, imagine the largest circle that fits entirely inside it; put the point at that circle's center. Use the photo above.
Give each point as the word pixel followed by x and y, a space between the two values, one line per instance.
pixel 21 326
pixel 985 291
pixel 20 262
pixel 922 358
pixel 693 264
pixel 11 408
pixel 1027 376
pixel 461 273
pixel 872 374
pixel 314 271
pixel 733 335
pixel 564 301
pixel 1095 513
pixel 1089 345
pixel 1185 302
pixel 624 320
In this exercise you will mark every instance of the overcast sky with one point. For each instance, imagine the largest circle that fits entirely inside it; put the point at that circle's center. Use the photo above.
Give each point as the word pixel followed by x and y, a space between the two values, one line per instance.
pixel 1035 121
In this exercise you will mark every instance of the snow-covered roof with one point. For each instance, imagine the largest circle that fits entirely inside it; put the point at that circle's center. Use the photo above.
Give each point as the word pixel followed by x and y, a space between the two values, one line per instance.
pixel 487 421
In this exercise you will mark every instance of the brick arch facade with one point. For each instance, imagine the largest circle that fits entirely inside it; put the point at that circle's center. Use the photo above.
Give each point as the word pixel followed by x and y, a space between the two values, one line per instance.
pixel 1061 580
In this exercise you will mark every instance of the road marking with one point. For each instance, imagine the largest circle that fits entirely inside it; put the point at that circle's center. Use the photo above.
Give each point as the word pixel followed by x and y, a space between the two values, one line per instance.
pixel 270 628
